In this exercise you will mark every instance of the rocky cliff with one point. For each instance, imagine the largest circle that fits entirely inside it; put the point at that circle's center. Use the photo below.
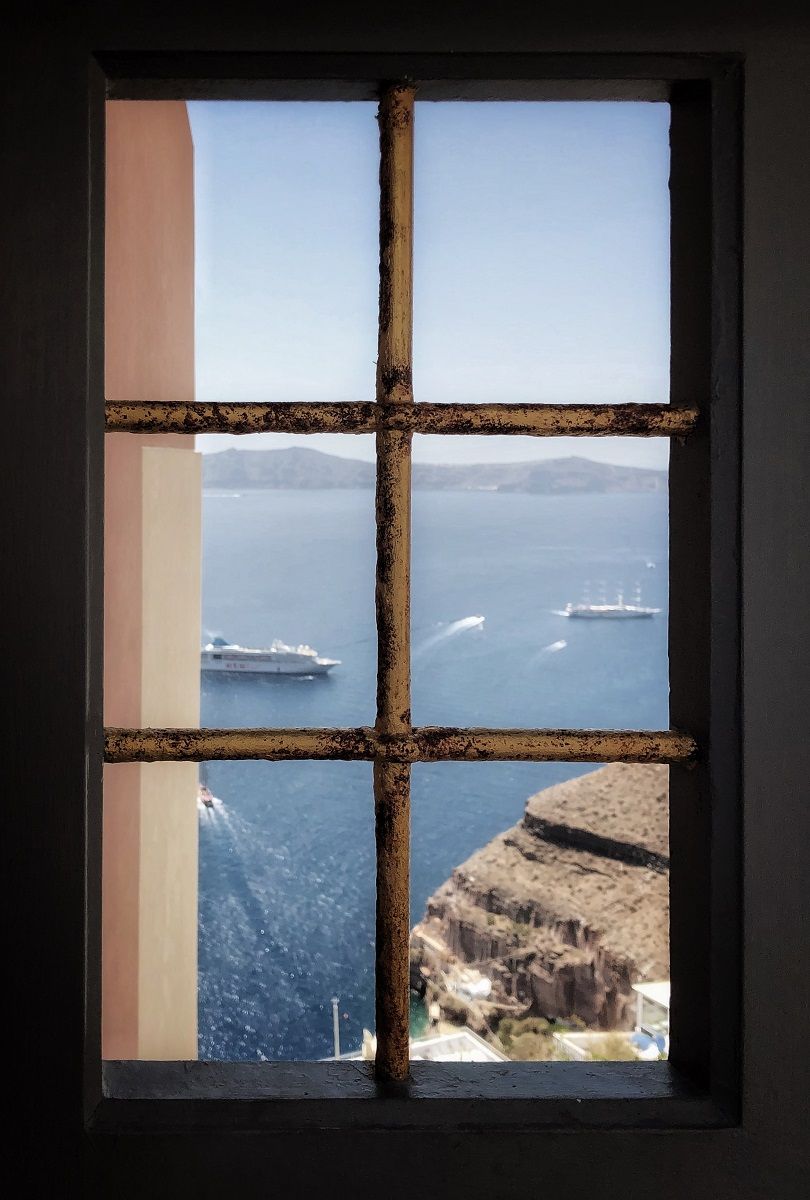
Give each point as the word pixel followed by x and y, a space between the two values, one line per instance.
pixel 563 912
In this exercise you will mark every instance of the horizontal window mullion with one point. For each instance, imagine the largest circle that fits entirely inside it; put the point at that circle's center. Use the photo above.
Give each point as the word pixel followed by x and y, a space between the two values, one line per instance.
pixel 440 743
pixel 226 417
pixel 421 744
pixel 209 745
pixel 532 420
pixel 548 420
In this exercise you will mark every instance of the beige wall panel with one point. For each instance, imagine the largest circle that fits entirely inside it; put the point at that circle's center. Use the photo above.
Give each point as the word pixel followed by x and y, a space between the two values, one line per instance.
pixel 171 557
pixel 170 694
pixel 152 586
pixel 167 963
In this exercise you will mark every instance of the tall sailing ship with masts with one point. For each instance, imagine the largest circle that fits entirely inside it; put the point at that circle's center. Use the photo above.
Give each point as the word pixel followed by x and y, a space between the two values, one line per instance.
pixel 620 610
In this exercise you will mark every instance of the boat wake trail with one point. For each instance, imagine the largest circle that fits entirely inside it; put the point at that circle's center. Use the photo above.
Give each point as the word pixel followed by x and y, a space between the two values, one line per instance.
pixel 448 631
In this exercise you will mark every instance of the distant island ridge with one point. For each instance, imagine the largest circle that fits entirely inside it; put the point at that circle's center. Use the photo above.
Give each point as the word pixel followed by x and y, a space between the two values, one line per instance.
pixel 297 467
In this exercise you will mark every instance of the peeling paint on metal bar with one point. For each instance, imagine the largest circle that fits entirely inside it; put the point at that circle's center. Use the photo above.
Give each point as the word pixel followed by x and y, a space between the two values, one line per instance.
pixel 389 413
pixel 171 417
pixel 435 744
pixel 392 803
pixel 554 420
pixel 392 794
pixel 204 745
pixel 425 744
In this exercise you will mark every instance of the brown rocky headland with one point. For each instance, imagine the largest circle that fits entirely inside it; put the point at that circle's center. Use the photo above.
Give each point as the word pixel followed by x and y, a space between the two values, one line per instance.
pixel 557 917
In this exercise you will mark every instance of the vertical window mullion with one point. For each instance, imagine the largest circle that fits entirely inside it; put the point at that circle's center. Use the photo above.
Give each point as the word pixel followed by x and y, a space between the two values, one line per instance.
pixel 393 518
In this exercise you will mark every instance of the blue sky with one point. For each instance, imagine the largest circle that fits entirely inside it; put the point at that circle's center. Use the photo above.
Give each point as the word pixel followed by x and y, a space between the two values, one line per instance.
pixel 541 262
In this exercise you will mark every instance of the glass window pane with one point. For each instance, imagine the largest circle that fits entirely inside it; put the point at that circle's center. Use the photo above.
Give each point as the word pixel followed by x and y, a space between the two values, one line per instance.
pixel 500 552
pixel 540 911
pixel 286 221
pixel 286 909
pixel 541 252
pixel 288 554
pixel 239 585
pixel 238 899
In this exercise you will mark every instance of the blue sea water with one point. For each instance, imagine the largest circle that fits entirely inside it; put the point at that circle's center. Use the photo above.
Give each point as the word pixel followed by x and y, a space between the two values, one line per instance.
pixel 287 859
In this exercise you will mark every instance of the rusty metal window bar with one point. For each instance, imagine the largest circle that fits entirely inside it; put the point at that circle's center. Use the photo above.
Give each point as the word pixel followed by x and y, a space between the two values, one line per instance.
pixel 393 744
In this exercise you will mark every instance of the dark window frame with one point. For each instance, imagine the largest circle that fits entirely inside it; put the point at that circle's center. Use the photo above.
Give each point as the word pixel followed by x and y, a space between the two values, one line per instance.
pixel 699 1087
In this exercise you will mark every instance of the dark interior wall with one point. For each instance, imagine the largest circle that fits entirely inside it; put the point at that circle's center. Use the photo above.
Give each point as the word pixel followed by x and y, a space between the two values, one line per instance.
pixel 776 566
pixel 52 399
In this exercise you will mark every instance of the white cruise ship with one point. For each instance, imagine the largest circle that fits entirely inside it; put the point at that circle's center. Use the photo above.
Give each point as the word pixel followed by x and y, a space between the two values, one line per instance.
pixel 612 612
pixel 275 659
